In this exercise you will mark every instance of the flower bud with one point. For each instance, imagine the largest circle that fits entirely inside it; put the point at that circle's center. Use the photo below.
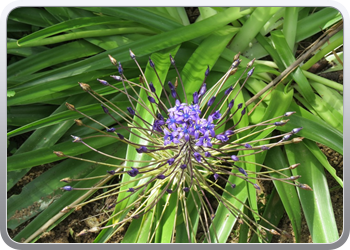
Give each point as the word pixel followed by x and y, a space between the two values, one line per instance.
pixel 242 171
pixel 234 157
pixel 84 86
pixel 228 91
pixel 110 130
pixel 151 62
pixel 250 72
pixel 152 88
pixel 132 55
pixel 58 153
pixel 207 72
pixel 172 60
pixel 151 99
pixel 113 61
pixel 296 130
pixel 171 86
pixel 250 63
pixel 76 138
pixel 133 172
pixel 67 188
pixel 130 110
pixel 230 105
pixel 289 113
pixel 78 122
pixel 211 101
pixel 105 109
pixel 203 89
pixel 195 97
pixel 118 78
pixel 103 82
pixel 70 106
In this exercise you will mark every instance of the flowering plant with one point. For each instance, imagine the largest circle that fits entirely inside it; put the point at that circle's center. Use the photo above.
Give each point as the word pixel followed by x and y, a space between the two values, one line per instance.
pixel 193 153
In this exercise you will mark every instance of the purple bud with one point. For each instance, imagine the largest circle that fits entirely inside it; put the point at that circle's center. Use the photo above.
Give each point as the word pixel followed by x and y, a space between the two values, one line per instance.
pixel 279 123
pixel 160 117
pixel 229 132
pixel 186 189
pixel 234 157
pixel 250 72
pixel 111 130
pixel 161 177
pixel 120 68
pixel 216 115
pixel 222 137
pixel 207 72
pixel 240 106
pixel 67 188
pixel 256 186
pixel 228 91
pixel 170 161
pixel 151 86
pixel 195 97
pixel 236 63
pixel 172 60
pixel 233 185
pixel 211 101
pixel 132 55
pixel 296 130
pixel 203 89
pixel 243 111
pixel 118 78
pixel 216 176
pixel 131 190
pixel 104 109
pixel 197 156
pixel 130 110
pixel 207 154
pixel 289 113
pixel 183 166
pixel 133 172
pixel 111 172
pixel 242 171
pixel 247 145
pixel 151 99
pixel 76 138
pixel 171 86
pixel 151 62
pixel 103 82
pixel 173 93
pixel 169 191
pixel 286 137
pixel 264 148
pixel 230 105
pixel 141 149
pixel 121 137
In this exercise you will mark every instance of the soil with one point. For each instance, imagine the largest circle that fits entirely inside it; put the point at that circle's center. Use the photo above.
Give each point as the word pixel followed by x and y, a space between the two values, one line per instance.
pixel 77 221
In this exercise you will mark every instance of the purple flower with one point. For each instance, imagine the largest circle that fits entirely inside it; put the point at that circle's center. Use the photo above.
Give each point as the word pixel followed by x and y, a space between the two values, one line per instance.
pixel 133 172
pixel 197 156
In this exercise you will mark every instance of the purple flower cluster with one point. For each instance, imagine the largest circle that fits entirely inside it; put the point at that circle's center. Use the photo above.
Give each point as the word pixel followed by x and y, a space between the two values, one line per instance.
pixel 185 124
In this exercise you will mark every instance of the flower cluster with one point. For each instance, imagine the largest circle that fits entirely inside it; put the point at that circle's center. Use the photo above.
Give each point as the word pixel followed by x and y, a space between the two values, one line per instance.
pixel 185 148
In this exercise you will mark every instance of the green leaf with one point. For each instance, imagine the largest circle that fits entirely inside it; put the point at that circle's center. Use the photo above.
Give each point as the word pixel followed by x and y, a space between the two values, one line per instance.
pixel 316 204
